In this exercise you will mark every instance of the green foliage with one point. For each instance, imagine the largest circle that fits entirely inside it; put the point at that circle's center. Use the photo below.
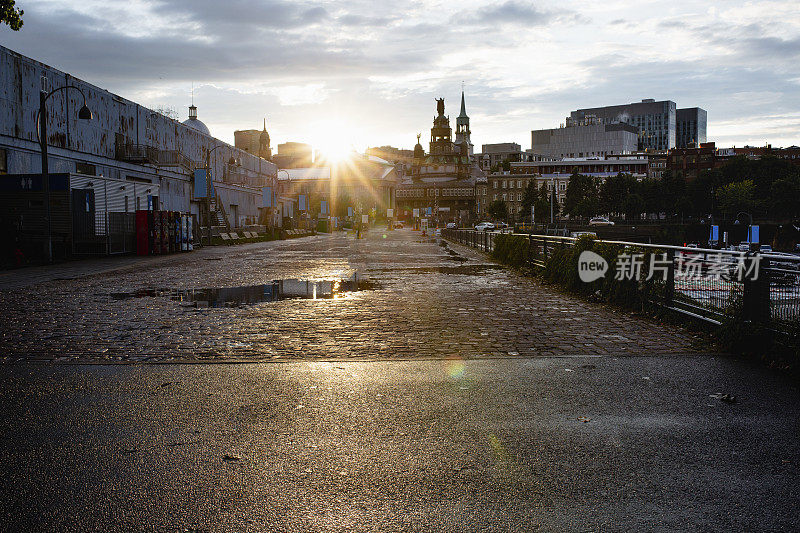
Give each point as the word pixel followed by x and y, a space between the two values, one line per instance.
pixel 10 15
pixel 511 249
pixel 785 197
pixel 633 206
pixel 530 197
pixel 497 210
pixel 736 197
pixel 581 198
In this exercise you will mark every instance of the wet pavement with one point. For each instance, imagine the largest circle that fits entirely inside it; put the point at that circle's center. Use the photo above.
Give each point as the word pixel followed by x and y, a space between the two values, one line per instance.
pixel 418 291
pixel 511 444
pixel 435 392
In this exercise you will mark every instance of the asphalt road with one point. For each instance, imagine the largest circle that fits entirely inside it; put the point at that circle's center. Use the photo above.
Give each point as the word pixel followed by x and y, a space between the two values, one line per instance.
pixel 510 444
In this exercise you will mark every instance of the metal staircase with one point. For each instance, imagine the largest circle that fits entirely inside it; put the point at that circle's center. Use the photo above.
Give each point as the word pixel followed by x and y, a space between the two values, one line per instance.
pixel 218 215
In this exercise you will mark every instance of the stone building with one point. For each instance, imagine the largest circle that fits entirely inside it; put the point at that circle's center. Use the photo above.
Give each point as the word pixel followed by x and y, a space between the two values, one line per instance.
pixel 254 142
pixel 442 183
pixel 365 183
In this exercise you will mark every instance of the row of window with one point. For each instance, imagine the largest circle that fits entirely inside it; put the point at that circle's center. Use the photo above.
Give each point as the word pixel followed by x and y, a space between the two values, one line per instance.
pixel 507 184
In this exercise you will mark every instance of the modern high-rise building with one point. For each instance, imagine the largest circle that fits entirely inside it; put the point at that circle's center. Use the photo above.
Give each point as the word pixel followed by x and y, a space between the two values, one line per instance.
pixel 656 121
pixel 691 127
pixel 660 123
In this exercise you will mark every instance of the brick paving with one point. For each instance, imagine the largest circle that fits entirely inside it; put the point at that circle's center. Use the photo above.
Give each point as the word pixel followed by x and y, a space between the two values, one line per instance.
pixel 426 302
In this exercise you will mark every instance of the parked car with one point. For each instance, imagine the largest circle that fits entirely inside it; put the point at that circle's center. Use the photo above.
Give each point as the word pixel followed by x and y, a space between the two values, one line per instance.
pixel 451 225
pixel 484 226
pixel 766 249
pixel 579 234
pixel 600 221
pixel 399 225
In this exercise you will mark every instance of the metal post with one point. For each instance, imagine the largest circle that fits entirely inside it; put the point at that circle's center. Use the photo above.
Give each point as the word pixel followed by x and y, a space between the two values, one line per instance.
pixel 756 296
pixel 45 171
pixel 669 290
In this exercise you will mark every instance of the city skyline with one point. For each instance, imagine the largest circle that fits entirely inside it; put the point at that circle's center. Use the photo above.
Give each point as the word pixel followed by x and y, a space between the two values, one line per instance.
pixel 338 76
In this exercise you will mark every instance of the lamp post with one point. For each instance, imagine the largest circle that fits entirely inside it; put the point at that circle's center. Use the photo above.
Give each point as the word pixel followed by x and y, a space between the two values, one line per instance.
pixel 288 187
pixel 552 195
pixel 84 114
pixel 750 217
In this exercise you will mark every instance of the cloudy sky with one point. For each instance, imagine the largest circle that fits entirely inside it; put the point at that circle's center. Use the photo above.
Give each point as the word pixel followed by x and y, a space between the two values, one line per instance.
pixel 366 72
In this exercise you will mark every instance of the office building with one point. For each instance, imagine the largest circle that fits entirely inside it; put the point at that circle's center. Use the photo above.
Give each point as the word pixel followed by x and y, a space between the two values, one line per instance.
pixel 690 127
pixel 586 137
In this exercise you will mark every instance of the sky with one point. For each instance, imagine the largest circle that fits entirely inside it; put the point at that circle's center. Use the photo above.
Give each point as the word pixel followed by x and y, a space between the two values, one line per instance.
pixel 366 73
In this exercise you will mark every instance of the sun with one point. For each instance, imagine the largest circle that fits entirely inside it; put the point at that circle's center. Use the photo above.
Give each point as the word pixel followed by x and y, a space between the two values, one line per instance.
pixel 334 141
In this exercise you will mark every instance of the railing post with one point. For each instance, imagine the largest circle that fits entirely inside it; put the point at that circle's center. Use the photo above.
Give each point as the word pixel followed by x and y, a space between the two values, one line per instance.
pixel 530 250
pixel 755 295
pixel 669 290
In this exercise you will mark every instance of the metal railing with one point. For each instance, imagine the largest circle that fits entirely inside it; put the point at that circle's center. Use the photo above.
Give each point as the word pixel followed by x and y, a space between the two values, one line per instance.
pixel 705 283
pixel 146 154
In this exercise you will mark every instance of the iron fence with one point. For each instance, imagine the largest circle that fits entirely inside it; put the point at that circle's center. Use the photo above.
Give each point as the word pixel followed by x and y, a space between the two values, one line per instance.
pixel 704 283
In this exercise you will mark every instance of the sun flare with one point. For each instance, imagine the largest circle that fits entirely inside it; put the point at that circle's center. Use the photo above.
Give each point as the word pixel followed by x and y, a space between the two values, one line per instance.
pixel 334 141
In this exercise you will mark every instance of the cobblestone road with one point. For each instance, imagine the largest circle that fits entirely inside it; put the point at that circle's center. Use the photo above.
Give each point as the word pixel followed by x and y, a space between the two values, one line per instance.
pixel 427 301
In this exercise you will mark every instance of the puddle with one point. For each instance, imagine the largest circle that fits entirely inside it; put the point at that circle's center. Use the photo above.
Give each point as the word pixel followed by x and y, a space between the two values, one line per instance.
pixel 282 289
pixel 464 270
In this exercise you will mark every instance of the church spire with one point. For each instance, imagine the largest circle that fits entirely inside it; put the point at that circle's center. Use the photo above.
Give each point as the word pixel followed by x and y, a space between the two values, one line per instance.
pixel 463 113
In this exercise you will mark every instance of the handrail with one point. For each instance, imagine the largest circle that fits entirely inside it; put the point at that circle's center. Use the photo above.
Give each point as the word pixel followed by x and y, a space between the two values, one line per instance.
pixel 737 253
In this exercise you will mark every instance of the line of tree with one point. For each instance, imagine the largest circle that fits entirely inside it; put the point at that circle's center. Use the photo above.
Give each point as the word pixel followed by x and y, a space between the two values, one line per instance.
pixel 767 188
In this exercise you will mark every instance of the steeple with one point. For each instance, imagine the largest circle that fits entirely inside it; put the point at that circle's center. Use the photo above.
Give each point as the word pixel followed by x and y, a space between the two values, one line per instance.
pixel 463 113
pixel 264 149
pixel 462 124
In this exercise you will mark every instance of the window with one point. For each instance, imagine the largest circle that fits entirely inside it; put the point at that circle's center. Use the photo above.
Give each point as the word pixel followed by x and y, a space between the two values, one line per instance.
pixel 494 197
pixel 126 204
pixel 519 184
pixel 85 168
pixel 519 196
pixel 505 184
pixel 504 197
pixel 3 161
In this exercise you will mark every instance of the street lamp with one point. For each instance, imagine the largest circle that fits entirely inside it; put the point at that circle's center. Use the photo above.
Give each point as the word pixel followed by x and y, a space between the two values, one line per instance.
pixel 84 114
pixel 288 188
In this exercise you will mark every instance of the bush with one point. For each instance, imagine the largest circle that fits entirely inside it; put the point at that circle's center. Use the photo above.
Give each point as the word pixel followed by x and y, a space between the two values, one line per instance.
pixel 511 250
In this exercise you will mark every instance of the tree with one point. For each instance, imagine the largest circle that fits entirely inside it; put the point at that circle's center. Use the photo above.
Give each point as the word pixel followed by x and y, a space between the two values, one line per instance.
pixel 498 210
pixel 530 197
pixel 10 15
pixel 581 197
pixel 651 191
pixel 736 197
pixel 613 192
pixel 785 198
pixel 633 206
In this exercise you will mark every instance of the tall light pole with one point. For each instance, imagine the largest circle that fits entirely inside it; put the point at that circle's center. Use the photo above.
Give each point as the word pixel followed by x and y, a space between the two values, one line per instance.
pixel 84 114
pixel 552 196
pixel 288 187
